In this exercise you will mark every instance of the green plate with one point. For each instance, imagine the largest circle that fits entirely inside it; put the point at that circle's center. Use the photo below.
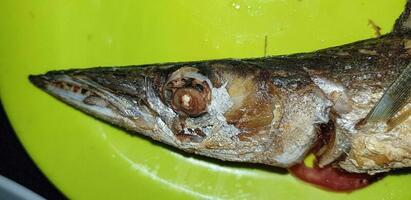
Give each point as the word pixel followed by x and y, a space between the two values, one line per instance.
pixel 88 159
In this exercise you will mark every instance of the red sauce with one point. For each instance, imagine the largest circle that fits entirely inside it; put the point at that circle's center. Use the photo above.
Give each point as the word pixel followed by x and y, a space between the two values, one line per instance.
pixel 331 178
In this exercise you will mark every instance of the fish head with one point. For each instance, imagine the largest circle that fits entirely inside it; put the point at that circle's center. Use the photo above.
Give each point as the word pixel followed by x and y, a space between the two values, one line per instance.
pixel 174 103
pixel 231 110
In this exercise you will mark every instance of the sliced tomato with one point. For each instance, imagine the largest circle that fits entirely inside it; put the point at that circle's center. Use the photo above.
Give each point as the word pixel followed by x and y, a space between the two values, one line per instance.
pixel 331 178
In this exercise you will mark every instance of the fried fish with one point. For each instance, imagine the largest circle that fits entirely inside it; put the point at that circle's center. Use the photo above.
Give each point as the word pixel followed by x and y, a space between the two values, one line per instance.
pixel 269 110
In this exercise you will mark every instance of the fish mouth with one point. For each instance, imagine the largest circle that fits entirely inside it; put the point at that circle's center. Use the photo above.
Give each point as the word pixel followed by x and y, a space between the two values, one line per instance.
pixel 87 93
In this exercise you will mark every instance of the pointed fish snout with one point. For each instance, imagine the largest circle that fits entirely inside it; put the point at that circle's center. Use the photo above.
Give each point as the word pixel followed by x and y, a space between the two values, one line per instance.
pixel 99 96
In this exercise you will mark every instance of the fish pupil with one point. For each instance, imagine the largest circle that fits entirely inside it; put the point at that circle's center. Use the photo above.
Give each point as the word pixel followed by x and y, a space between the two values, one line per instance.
pixel 199 87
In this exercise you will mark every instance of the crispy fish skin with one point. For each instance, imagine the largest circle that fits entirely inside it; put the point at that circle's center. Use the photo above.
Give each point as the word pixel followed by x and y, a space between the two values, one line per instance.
pixel 261 110
pixel 380 150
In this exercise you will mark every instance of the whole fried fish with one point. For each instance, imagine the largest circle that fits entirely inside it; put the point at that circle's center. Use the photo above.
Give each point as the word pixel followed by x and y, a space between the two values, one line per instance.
pixel 264 110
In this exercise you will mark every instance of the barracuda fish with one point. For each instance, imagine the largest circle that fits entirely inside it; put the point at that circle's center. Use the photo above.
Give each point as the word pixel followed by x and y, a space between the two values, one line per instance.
pixel 270 110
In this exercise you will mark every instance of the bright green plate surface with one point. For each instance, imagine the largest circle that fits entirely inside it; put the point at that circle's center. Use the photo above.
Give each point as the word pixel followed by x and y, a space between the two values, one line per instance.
pixel 88 159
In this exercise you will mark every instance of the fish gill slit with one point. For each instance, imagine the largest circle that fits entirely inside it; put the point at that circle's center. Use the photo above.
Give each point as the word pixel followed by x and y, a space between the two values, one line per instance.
pixel 326 131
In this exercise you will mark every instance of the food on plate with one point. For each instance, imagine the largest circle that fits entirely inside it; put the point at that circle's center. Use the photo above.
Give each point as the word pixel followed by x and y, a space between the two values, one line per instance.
pixel 349 105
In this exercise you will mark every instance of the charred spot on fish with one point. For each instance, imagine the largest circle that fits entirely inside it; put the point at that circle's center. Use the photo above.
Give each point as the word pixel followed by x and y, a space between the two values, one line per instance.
pixel 187 92
pixel 326 133
pixel 264 75
pixel 200 133
pixel 69 86
pixel 83 91
pixel 119 75
pixel 190 135
pixel 75 88
pixel 58 84
pixel 293 83
pixel 199 87
pixel 361 123
pixel 183 137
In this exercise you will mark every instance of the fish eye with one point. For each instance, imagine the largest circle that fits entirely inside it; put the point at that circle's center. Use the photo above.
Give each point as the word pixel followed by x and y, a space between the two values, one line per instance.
pixel 189 101
pixel 187 92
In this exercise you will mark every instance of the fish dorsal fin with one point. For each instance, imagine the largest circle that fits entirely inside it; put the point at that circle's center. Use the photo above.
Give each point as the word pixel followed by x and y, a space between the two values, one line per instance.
pixel 403 23
pixel 393 100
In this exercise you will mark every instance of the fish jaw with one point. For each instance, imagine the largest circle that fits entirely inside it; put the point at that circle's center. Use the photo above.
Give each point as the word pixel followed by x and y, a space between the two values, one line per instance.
pixel 82 92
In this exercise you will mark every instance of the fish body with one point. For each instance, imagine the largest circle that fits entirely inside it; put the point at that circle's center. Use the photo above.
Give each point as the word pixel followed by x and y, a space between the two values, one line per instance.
pixel 271 110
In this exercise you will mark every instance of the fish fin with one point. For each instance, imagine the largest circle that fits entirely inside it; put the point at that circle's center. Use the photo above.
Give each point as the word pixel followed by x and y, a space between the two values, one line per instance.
pixel 403 23
pixel 393 100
